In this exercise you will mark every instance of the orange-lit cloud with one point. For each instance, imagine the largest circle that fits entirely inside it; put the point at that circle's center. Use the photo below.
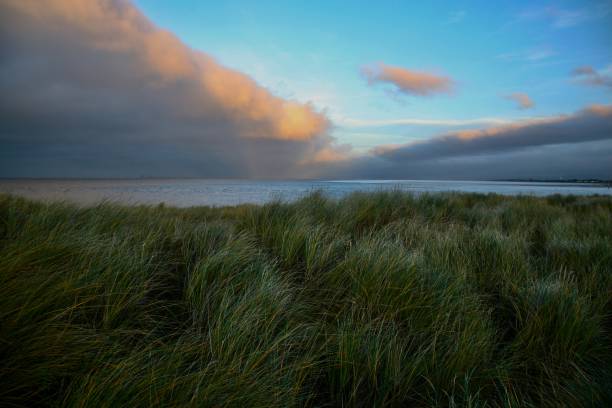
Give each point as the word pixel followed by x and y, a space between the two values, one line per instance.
pixel 242 97
pixel 522 99
pixel 408 81
pixel 330 154
pixel 117 27
pixel 577 145
pixel 95 81
pixel 593 123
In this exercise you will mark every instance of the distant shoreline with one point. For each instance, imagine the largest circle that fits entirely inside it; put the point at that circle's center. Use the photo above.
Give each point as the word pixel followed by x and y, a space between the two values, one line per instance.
pixel 510 180
pixel 569 181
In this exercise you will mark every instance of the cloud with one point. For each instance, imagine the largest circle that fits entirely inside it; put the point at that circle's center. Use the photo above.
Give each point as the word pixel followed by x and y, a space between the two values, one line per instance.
pixel 569 146
pixel 364 123
pixel 96 79
pixel 561 18
pixel 332 154
pixel 591 124
pixel 408 81
pixel 533 55
pixel 587 75
pixel 565 161
pixel 522 99
pixel 567 18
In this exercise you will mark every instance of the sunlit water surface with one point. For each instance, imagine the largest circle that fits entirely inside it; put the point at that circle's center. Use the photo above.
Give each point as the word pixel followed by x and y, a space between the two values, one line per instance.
pixel 192 192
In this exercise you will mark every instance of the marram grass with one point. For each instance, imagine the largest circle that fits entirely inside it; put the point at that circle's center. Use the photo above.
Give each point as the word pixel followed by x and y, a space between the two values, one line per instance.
pixel 384 299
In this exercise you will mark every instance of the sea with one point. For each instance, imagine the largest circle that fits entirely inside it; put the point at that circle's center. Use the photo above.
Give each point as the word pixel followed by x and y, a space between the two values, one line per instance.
pixel 208 192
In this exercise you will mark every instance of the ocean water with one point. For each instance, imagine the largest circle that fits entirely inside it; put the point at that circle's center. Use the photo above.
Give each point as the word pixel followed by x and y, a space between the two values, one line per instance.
pixel 193 192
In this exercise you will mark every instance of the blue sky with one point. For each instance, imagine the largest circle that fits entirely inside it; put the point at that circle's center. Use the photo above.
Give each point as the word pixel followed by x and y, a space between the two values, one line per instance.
pixel 313 51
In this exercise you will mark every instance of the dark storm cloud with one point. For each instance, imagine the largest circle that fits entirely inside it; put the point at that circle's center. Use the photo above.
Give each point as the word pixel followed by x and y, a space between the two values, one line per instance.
pixel 568 146
pixel 591 124
pixel 583 160
pixel 93 87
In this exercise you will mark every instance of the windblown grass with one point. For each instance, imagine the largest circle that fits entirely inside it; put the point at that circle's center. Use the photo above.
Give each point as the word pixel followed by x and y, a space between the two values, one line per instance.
pixel 383 299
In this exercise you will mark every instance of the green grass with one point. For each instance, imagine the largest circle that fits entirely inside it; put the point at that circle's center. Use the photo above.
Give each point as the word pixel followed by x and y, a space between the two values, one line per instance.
pixel 383 299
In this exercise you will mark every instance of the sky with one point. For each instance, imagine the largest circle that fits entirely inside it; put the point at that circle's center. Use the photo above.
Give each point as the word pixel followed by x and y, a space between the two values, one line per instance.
pixel 318 89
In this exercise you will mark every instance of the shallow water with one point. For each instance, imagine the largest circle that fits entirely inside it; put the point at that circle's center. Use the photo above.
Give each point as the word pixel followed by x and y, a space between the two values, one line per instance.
pixel 191 192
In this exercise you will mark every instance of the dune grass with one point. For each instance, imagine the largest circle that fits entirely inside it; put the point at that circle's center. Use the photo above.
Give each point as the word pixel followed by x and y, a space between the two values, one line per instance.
pixel 378 299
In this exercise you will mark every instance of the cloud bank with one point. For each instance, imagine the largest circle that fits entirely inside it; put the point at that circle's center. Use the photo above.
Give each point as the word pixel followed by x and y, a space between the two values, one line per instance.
pixel 591 124
pixel 95 83
pixel 570 146
pixel 407 81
